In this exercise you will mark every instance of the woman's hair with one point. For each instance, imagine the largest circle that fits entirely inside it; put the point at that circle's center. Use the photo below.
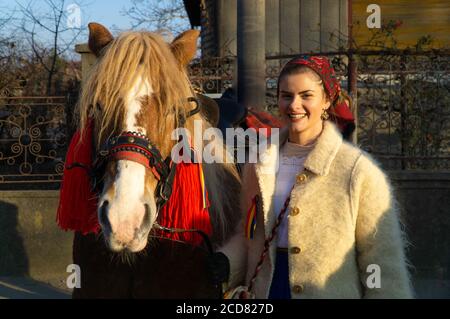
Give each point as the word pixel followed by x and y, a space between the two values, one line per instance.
pixel 294 69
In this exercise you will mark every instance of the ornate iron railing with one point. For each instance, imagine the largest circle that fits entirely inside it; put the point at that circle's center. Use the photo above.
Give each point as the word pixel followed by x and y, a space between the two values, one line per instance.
pixel 403 113
pixel 212 75
pixel 32 140
pixel 404 109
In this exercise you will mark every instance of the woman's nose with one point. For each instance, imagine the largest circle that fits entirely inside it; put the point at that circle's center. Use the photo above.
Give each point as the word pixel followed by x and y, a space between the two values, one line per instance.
pixel 295 103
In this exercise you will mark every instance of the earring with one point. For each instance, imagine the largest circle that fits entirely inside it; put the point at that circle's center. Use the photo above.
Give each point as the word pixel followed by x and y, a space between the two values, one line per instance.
pixel 325 116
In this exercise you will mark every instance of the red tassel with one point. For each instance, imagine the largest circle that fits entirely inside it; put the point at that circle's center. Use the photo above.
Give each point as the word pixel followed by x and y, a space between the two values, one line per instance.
pixel 77 209
pixel 185 207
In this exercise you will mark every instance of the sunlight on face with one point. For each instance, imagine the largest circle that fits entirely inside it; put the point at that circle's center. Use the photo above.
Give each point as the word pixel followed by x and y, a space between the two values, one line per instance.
pixel 301 101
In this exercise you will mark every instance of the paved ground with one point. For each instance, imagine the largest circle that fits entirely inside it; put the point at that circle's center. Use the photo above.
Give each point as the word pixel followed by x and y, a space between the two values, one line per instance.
pixel 26 288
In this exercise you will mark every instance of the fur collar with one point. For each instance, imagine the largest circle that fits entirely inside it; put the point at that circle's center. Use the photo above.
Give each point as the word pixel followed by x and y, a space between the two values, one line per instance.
pixel 328 144
pixel 318 162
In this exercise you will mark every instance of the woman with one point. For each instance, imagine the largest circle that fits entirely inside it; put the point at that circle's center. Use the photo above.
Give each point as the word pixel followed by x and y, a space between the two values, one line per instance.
pixel 339 234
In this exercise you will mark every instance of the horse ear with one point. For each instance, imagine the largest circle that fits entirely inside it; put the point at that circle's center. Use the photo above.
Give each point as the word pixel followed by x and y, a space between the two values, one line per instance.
pixel 184 46
pixel 99 37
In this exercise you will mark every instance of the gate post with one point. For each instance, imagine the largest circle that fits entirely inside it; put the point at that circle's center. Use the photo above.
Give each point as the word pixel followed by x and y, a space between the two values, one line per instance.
pixel 87 60
pixel 251 52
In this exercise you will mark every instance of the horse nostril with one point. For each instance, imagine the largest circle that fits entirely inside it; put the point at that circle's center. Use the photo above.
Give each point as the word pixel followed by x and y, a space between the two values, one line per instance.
pixel 103 217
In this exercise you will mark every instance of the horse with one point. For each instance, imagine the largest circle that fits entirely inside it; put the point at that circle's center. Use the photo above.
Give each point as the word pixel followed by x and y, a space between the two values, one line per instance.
pixel 137 93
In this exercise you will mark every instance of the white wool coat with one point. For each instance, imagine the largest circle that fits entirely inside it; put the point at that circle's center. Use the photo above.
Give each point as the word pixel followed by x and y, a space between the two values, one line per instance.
pixel 342 218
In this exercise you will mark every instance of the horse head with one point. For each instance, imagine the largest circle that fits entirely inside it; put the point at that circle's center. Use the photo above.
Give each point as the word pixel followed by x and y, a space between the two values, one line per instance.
pixel 136 93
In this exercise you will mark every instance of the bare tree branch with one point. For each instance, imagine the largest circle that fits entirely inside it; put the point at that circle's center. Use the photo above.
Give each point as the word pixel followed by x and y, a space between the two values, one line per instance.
pixel 158 15
pixel 55 38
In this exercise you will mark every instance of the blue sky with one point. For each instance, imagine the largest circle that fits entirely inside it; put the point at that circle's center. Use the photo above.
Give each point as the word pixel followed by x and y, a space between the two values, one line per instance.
pixel 106 12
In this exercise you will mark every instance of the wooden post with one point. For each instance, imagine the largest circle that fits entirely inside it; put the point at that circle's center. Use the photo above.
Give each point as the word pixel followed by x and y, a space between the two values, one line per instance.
pixel 289 26
pixel 87 60
pixel 251 52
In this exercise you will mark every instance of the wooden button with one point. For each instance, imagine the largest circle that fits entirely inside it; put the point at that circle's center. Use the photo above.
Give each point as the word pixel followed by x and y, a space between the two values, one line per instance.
pixel 295 211
pixel 297 289
pixel 295 250
pixel 301 178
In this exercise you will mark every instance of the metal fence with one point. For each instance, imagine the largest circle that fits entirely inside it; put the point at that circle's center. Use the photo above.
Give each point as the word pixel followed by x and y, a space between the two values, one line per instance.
pixel 212 75
pixel 404 109
pixel 32 140
pixel 403 113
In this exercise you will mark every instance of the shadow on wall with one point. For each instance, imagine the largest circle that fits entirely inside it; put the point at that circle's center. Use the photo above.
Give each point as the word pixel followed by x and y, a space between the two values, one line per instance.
pixel 425 211
pixel 13 258
pixel 14 263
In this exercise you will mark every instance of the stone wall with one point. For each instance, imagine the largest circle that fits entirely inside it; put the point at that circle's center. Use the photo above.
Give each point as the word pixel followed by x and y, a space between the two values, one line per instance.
pixel 424 197
pixel 32 245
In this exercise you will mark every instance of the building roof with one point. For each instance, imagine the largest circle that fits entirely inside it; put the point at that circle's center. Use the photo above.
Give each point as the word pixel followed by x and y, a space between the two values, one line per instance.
pixel 193 9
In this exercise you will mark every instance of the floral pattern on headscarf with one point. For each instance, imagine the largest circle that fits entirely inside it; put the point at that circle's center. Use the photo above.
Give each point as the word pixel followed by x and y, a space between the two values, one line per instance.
pixel 321 65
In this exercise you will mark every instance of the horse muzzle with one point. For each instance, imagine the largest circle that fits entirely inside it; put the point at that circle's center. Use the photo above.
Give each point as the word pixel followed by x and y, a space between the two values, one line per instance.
pixel 124 234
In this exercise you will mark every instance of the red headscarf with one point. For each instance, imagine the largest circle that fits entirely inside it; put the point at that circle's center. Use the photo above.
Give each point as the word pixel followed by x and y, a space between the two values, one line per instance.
pixel 339 109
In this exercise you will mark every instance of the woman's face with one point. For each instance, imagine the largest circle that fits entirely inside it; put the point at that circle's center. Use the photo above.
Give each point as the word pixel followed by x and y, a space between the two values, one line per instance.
pixel 301 101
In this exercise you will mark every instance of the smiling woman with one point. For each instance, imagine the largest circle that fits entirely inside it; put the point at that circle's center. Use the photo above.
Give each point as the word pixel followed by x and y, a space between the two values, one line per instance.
pixel 325 217
pixel 303 103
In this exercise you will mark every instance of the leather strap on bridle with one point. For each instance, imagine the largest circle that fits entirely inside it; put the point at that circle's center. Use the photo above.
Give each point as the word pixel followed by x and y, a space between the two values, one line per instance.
pixel 137 147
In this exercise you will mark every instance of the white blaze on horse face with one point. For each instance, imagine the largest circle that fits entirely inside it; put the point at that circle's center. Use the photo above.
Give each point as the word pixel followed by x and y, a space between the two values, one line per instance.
pixel 126 209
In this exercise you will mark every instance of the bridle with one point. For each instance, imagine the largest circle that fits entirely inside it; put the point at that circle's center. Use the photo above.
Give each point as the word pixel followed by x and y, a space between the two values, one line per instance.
pixel 137 147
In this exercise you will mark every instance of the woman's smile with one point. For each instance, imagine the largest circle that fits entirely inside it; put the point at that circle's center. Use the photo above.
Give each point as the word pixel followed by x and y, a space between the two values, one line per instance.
pixel 297 116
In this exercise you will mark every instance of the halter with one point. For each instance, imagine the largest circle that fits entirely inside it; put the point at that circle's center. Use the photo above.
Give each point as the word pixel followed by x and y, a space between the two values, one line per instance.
pixel 138 148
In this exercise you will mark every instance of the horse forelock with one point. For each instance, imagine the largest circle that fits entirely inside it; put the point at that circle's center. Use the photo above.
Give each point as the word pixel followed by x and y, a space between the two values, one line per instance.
pixel 128 58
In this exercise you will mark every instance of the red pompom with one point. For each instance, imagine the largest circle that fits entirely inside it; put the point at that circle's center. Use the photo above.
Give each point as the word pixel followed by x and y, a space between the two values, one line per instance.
pixel 77 209
pixel 188 205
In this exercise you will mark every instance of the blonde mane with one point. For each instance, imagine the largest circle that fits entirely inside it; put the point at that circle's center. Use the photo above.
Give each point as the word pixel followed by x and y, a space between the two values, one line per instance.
pixel 130 56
